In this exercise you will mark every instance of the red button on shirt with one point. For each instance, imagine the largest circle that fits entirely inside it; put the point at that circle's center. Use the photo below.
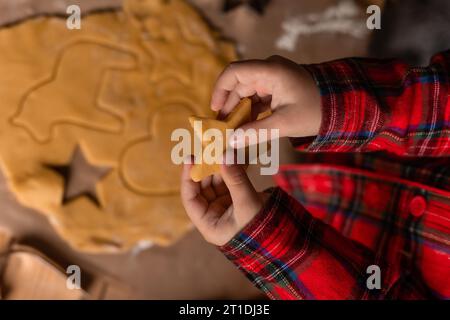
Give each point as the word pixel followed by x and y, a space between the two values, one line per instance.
pixel 417 206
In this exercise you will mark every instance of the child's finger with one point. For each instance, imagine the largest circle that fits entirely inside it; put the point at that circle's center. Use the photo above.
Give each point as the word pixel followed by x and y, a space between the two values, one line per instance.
pixel 207 189
pixel 218 99
pixel 237 72
pixel 225 83
pixel 218 185
pixel 193 202
pixel 232 101
pixel 241 91
pixel 244 196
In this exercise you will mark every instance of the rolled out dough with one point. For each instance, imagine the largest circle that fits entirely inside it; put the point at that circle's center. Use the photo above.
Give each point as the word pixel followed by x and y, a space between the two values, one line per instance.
pixel 116 89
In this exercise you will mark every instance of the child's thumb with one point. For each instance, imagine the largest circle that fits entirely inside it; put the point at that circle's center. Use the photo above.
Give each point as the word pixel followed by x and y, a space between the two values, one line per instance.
pixel 244 196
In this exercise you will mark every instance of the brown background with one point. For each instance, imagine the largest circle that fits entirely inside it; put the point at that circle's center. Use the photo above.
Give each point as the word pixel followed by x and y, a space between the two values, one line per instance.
pixel 190 269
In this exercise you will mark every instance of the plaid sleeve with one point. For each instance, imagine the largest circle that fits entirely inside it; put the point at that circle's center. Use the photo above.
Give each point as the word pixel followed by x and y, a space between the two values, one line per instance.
pixel 290 255
pixel 372 105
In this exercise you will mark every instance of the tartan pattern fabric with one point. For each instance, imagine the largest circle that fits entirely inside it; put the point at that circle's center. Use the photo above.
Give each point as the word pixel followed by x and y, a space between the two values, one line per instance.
pixel 371 105
pixel 372 189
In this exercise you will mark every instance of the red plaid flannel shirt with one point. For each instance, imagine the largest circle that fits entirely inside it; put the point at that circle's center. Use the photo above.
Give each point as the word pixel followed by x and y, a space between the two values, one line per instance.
pixel 373 189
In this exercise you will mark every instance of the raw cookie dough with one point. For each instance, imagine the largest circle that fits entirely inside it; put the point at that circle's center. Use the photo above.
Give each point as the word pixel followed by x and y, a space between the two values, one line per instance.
pixel 116 89
pixel 240 115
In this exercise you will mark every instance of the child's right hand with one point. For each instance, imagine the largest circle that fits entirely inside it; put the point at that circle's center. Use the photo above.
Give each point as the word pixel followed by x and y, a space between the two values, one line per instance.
pixel 276 83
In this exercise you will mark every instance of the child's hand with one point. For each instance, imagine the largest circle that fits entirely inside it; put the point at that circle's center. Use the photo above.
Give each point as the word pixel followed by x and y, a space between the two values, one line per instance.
pixel 221 205
pixel 276 83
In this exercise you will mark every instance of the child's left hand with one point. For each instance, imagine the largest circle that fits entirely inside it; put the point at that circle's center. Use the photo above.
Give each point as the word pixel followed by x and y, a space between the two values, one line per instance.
pixel 221 205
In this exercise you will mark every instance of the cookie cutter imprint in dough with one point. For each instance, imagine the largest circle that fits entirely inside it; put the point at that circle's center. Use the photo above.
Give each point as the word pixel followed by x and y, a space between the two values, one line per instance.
pixel 88 117
pixel 159 81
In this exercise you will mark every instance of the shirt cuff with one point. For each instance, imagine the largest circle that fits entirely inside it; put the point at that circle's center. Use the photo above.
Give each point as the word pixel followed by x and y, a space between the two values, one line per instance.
pixel 259 249
pixel 340 103
pixel 258 228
